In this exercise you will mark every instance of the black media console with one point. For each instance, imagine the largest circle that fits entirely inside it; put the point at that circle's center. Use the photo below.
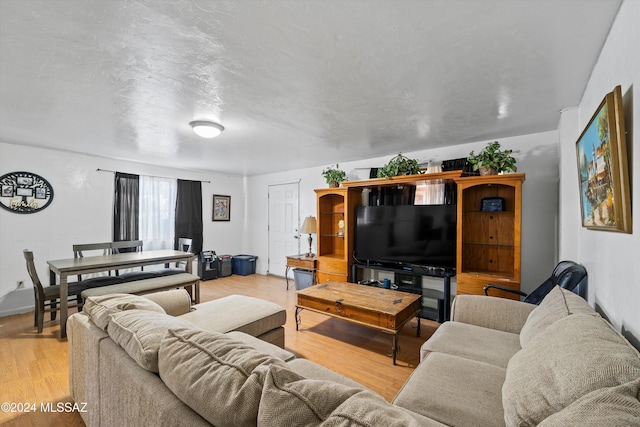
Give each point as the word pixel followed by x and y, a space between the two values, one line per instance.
pixel 409 279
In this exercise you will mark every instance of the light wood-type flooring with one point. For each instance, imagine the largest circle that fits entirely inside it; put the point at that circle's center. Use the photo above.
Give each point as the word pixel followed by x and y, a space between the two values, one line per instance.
pixel 34 367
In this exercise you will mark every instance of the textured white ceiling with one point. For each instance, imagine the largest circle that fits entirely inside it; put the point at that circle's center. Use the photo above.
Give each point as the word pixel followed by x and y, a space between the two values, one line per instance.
pixel 295 83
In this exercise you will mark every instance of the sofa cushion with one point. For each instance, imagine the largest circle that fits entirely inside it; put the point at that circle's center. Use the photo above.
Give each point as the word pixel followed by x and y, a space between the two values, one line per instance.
pixel 250 315
pixel 491 312
pixel 367 409
pixel 174 301
pixel 261 346
pixel 612 407
pixel 101 308
pixel 571 358
pixel 557 304
pixel 473 342
pixel 139 333
pixel 218 377
pixel 130 396
pixel 455 391
pixel 313 371
pixel 289 399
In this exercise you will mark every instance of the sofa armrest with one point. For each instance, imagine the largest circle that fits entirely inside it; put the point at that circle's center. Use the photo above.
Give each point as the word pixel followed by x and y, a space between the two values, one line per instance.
pixel 491 312
pixel 175 302
pixel 84 384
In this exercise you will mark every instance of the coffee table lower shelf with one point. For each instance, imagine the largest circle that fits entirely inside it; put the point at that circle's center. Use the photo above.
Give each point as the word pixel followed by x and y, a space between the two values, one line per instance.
pixel 384 310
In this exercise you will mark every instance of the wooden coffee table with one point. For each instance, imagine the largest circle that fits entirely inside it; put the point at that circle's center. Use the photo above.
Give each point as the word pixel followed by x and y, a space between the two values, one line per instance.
pixel 382 309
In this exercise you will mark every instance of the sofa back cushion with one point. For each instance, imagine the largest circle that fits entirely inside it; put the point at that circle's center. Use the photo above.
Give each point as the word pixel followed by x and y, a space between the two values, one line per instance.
pixel 218 377
pixel 367 409
pixel 139 333
pixel 557 304
pixel 101 308
pixel 290 399
pixel 611 406
pixel 574 356
pixel 175 302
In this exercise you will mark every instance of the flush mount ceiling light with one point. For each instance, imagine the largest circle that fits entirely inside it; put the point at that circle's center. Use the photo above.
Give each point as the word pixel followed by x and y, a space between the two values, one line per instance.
pixel 206 129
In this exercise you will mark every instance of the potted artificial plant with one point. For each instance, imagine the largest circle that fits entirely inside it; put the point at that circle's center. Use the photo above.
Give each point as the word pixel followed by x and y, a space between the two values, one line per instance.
pixel 491 160
pixel 399 165
pixel 334 176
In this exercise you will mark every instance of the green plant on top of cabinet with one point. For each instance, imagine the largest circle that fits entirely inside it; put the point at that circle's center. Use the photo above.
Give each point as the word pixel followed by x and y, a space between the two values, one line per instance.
pixel 334 176
pixel 491 160
pixel 399 165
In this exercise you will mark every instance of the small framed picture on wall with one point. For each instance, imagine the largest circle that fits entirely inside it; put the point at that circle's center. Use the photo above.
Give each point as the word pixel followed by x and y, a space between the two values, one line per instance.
pixel 7 191
pixel 221 208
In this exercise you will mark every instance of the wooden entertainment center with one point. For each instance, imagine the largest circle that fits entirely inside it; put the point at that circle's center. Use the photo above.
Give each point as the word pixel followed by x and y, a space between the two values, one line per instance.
pixel 488 241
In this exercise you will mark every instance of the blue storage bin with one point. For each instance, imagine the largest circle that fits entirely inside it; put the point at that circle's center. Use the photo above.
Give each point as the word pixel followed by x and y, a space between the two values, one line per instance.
pixel 244 265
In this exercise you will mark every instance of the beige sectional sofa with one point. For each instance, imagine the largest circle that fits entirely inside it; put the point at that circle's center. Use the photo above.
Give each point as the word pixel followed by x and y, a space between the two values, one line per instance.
pixel 153 361
pixel 503 362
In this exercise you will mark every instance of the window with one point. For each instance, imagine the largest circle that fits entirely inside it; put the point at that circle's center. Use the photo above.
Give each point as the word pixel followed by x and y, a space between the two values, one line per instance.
pixel 154 209
pixel 157 212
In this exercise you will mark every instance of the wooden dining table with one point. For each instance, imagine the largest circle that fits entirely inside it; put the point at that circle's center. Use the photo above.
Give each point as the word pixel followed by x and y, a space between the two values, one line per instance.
pixel 63 268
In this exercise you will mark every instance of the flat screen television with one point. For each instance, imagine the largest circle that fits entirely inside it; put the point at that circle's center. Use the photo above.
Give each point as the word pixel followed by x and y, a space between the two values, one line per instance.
pixel 406 235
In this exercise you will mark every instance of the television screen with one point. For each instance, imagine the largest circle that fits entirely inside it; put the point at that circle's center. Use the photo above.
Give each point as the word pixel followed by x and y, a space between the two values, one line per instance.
pixel 406 235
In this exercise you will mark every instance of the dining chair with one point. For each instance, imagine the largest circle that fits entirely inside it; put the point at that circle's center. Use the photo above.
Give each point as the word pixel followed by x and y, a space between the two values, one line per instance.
pixel 129 246
pixel 184 245
pixel 97 281
pixel 47 298
pixel 126 246
pixel 78 251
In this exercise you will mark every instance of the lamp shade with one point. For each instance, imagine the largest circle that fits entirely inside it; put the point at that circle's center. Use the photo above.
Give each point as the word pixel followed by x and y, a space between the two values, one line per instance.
pixel 309 225
pixel 206 129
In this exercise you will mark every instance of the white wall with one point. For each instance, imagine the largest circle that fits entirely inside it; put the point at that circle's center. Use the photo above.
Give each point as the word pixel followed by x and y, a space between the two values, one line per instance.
pixel 611 259
pixel 82 207
pixel 537 157
pixel 81 212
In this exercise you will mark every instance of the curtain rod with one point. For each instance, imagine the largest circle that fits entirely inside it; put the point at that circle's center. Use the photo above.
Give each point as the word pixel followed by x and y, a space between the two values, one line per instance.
pixel 152 176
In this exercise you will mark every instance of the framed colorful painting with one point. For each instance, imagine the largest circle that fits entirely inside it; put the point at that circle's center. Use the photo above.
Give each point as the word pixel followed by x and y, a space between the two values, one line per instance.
pixel 221 208
pixel 603 170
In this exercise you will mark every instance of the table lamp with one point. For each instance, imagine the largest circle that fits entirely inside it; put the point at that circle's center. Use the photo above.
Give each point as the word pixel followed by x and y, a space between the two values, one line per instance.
pixel 309 226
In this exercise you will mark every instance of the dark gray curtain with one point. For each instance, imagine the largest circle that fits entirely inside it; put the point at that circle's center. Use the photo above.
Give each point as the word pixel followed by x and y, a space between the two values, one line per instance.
pixel 189 214
pixel 126 207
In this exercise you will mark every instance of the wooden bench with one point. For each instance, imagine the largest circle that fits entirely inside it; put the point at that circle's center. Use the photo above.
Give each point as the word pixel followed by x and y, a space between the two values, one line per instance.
pixel 146 286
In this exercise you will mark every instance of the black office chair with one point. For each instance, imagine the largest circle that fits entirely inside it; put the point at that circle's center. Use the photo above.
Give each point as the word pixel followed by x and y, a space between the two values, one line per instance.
pixel 567 274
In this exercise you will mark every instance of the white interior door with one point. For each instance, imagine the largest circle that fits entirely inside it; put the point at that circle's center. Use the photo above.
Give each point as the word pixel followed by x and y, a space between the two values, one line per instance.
pixel 284 221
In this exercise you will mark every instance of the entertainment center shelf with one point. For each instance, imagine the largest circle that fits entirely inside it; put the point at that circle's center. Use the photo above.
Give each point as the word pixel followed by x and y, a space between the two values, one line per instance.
pixel 407 280
pixel 487 241
pixel 488 236
pixel 334 246
pixel 403 179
